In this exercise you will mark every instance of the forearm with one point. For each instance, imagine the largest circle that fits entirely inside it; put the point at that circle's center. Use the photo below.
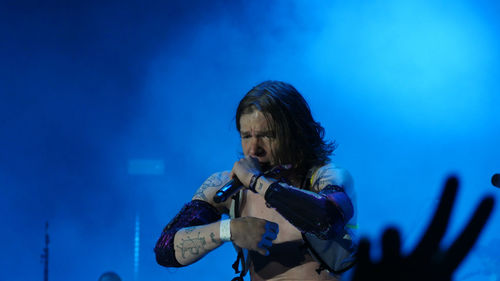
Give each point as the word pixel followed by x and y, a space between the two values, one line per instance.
pixel 192 243
pixel 322 214
pixel 195 214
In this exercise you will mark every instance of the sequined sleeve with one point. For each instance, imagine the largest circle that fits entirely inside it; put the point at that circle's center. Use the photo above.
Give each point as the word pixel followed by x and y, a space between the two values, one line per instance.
pixel 194 213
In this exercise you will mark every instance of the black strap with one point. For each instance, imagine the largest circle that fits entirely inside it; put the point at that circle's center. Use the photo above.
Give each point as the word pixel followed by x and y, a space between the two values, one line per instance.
pixel 239 258
pixel 237 262
pixel 235 267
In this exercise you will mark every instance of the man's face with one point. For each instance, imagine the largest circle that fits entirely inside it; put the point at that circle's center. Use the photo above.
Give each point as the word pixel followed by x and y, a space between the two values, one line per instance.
pixel 257 138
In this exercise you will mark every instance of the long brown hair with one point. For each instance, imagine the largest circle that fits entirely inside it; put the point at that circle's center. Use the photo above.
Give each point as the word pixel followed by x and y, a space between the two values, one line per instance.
pixel 300 138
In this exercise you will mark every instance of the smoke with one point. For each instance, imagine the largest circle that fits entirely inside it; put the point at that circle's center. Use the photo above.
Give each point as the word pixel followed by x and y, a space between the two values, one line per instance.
pixel 88 86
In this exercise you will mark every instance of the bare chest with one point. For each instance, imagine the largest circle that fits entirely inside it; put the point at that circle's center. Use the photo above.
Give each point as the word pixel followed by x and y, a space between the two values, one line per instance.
pixel 254 205
pixel 289 259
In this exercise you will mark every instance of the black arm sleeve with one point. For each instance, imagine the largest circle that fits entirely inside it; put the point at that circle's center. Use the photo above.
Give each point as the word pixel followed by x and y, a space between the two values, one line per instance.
pixel 194 213
pixel 323 214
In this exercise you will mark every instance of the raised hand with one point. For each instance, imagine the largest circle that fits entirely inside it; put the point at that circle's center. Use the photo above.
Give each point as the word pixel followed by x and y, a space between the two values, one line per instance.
pixel 254 234
pixel 245 168
pixel 427 261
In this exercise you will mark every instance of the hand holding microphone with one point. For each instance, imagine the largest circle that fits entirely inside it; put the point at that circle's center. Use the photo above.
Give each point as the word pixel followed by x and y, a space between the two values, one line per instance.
pixel 245 172
pixel 228 190
pixel 241 174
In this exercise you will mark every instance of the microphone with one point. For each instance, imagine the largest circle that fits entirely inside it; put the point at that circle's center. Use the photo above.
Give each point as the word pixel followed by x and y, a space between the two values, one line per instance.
pixel 228 190
pixel 495 180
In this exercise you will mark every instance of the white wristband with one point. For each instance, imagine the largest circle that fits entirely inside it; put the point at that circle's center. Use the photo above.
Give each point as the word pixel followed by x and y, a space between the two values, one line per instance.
pixel 225 230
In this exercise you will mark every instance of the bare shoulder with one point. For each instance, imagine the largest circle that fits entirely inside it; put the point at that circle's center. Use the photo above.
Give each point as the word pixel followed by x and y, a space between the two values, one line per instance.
pixel 331 174
pixel 208 189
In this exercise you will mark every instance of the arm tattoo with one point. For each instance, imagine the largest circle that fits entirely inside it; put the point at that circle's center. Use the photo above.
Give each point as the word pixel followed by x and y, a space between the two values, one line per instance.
pixel 189 229
pixel 192 245
pixel 260 187
pixel 212 236
pixel 213 181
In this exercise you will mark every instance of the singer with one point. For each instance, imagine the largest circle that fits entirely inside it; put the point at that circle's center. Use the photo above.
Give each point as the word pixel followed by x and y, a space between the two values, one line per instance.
pixel 293 215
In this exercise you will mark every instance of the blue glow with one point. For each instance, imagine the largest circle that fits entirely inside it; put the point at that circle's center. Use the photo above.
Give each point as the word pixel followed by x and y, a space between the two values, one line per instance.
pixel 137 245
pixel 110 109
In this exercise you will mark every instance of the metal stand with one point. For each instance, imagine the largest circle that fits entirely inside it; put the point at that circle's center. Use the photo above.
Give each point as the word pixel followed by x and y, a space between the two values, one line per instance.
pixel 45 254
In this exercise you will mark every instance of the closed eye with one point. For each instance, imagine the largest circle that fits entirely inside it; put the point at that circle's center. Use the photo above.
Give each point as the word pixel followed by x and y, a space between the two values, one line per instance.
pixel 260 135
pixel 266 135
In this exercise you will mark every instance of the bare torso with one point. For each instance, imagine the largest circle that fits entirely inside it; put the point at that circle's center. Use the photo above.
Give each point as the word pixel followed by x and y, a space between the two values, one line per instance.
pixel 288 258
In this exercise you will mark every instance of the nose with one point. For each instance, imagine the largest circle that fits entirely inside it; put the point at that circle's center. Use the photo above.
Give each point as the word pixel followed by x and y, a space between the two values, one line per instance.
pixel 255 148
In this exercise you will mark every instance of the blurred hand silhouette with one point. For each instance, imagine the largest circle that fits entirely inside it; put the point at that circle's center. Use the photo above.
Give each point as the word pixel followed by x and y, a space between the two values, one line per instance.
pixel 427 261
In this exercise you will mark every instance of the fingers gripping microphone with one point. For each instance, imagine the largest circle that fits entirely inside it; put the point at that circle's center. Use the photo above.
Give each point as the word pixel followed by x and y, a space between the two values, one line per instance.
pixel 228 190
pixel 495 180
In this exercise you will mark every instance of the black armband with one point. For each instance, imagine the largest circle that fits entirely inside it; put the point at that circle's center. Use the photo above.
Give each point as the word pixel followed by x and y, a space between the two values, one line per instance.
pixel 323 214
pixel 194 213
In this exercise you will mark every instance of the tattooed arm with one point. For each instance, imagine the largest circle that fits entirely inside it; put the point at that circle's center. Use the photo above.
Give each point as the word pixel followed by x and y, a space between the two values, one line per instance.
pixel 192 243
pixel 194 231
pixel 208 189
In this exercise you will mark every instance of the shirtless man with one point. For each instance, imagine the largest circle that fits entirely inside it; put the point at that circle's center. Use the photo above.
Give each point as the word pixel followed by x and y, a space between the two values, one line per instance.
pixel 289 190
